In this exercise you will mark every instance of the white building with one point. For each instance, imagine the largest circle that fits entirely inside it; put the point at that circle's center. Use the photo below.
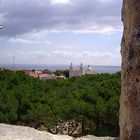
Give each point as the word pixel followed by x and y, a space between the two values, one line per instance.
pixel 79 71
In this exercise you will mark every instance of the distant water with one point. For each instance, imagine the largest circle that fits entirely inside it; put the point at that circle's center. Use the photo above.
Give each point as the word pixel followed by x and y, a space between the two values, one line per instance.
pixel 102 69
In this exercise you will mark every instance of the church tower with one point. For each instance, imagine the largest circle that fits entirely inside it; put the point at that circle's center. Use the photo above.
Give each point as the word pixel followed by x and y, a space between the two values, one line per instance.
pixel 81 66
pixel 71 66
pixel 71 70
pixel 81 71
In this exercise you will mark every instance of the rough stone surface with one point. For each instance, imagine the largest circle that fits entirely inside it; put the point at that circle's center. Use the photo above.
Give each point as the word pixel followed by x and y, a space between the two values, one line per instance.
pixel 11 132
pixel 130 49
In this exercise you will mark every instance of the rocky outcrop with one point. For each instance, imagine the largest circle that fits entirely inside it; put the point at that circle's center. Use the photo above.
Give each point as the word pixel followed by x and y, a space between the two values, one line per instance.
pixel 130 49
pixel 11 132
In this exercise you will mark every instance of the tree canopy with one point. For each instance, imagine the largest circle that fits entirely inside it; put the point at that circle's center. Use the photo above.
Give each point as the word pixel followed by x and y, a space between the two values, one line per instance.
pixel 85 105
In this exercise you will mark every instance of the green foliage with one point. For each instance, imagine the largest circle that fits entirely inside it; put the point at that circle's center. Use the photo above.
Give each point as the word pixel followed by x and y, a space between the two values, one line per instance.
pixel 62 72
pixel 90 100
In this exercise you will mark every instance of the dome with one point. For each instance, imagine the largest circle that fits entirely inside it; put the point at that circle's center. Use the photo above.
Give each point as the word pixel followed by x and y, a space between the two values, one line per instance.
pixel 89 68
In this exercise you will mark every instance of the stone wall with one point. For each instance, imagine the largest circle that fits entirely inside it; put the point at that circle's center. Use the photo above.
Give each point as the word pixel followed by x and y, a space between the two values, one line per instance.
pixel 130 49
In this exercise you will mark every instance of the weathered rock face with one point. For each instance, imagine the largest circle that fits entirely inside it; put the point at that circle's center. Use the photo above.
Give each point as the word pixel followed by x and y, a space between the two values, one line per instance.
pixel 11 132
pixel 130 96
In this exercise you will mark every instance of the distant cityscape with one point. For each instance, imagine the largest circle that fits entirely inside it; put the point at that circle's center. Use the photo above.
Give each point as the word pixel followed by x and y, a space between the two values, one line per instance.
pixel 96 68
pixel 43 72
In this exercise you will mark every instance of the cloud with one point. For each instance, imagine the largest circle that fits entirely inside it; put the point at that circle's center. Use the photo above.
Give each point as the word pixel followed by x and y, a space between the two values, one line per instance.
pixel 30 38
pixel 60 1
pixel 26 41
pixel 21 17
pixel 82 54
pixel 62 57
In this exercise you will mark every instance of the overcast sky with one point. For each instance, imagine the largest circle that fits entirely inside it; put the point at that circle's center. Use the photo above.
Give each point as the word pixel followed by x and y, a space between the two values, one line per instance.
pixel 61 31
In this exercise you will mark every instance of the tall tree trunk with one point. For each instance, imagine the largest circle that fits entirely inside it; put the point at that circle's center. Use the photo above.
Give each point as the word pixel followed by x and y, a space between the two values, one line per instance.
pixel 130 49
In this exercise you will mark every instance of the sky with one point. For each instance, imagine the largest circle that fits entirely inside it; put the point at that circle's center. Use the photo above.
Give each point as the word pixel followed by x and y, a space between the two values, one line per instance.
pixel 61 32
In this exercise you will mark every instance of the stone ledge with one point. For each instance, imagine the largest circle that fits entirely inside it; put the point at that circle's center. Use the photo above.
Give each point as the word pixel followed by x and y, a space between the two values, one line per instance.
pixel 12 132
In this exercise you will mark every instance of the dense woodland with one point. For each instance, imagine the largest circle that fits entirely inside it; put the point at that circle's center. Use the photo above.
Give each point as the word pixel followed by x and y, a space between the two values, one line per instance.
pixel 88 104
